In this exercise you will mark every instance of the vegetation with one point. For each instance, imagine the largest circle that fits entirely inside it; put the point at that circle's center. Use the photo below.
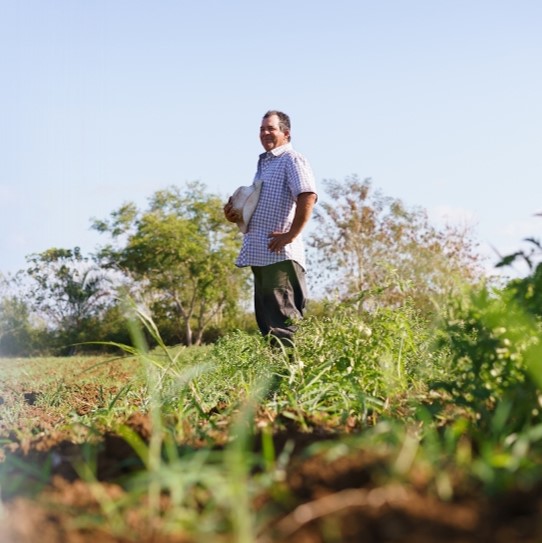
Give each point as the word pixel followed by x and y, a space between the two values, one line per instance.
pixel 17 334
pixel 176 258
pixel 400 414
pixel 365 240
pixel 219 440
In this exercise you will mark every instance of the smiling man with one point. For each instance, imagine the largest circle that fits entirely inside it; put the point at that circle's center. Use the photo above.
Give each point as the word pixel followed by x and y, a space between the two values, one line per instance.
pixel 272 243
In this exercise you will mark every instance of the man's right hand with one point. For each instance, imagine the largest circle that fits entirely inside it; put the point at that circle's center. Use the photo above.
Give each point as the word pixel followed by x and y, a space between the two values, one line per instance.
pixel 231 214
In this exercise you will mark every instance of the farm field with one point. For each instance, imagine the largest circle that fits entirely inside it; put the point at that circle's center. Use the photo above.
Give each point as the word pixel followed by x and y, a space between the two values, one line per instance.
pixel 340 439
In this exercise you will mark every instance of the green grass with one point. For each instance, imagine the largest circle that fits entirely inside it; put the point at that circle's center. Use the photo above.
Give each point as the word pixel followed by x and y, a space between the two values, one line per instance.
pixel 420 395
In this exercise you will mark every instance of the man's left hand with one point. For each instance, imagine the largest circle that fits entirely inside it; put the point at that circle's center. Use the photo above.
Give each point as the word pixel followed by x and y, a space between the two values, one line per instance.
pixel 278 240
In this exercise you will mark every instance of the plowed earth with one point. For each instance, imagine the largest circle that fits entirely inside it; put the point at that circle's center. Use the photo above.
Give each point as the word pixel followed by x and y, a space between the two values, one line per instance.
pixel 340 500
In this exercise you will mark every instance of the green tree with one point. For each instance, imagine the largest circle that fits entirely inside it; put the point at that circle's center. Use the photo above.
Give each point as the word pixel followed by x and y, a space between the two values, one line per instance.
pixel 16 332
pixel 527 290
pixel 69 291
pixel 365 241
pixel 178 255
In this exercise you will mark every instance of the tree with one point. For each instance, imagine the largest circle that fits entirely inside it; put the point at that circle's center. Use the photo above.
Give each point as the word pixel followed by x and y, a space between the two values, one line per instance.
pixel 69 291
pixel 527 290
pixel 365 241
pixel 178 255
pixel 17 337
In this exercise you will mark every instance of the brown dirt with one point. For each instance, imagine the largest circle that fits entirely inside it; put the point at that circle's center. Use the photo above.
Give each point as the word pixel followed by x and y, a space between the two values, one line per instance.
pixel 342 501
pixel 348 499
pixel 330 501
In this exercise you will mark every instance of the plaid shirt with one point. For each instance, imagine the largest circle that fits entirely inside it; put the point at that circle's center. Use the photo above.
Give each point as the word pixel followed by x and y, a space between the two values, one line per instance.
pixel 285 174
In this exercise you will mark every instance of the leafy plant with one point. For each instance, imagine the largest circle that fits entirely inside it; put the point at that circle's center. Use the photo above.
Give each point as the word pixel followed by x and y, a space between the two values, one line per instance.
pixel 363 360
pixel 489 339
pixel 366 241
pixel 178 256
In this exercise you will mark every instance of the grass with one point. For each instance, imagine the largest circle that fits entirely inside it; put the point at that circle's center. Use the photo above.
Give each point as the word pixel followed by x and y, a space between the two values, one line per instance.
pixel 387 382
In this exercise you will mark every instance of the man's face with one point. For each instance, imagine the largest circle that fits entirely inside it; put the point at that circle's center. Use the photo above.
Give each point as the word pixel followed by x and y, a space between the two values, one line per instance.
pixel 271 135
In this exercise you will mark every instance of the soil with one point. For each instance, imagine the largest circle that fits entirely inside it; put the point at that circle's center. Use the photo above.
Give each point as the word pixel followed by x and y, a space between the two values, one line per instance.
pixel 332 501
pixel 340 500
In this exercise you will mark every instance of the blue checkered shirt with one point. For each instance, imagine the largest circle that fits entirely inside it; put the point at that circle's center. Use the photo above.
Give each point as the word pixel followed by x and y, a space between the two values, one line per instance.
pixel 285 174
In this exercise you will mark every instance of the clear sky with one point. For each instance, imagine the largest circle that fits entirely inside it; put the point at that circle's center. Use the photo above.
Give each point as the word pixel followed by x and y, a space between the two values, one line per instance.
pixel 107 101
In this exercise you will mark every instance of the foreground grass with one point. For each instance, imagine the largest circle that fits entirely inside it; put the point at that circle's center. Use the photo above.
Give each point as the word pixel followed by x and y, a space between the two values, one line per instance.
pixel 214 436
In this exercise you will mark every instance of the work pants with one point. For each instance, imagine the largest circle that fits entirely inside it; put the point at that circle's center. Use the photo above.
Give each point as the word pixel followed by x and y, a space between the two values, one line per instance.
pixel 280 295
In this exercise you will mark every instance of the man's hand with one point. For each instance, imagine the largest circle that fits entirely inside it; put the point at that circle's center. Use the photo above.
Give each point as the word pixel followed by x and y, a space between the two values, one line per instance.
pixel 278 240
pixel 231 214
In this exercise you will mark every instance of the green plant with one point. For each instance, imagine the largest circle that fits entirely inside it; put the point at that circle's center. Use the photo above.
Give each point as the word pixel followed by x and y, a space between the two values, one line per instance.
pixel 491 343
pixel 219 479
pixel 358 361
pixel 366 241
pixel 178 253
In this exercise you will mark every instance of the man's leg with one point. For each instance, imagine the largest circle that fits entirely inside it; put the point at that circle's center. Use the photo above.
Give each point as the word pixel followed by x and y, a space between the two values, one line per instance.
pixel 280 294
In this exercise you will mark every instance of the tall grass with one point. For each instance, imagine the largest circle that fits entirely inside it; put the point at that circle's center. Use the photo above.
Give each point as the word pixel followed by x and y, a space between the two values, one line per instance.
pixel 456 400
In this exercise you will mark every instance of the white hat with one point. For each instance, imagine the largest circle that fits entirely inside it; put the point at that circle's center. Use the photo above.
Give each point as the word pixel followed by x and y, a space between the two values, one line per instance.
pixel 244 200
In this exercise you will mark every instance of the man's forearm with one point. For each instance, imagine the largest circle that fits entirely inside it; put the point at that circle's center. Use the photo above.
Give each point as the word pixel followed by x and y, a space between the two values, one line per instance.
pixel 305 204
pixel 303 212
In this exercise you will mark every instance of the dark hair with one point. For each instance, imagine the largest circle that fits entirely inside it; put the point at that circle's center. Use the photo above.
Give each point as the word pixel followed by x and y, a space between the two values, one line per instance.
pixel 284 120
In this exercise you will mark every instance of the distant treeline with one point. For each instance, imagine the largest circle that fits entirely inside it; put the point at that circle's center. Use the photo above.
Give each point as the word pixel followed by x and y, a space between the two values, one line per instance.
pixel 175 260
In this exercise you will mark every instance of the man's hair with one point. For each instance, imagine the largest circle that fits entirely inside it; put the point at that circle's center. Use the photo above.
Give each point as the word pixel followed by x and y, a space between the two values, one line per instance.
pixel 284 120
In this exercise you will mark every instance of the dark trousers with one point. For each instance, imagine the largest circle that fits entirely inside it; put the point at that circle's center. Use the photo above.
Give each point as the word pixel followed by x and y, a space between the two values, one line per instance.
pixel 280 295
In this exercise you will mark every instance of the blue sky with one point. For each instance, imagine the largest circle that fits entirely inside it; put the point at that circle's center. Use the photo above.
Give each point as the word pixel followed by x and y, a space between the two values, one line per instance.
pixel 107 101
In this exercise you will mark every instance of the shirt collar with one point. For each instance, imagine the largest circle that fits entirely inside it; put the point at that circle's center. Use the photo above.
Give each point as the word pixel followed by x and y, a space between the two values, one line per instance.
pixel 277 151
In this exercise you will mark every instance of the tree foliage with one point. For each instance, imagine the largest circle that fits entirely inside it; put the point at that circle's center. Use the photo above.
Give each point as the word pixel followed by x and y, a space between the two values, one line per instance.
pixel 178 255
pixel 67 287
pixel 68 291
pixel 17 336
pixel 527 290
pixel 365 241
pixel 493 338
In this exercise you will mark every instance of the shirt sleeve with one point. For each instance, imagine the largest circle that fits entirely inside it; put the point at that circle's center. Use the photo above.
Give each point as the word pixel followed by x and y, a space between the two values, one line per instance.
pixel 300 176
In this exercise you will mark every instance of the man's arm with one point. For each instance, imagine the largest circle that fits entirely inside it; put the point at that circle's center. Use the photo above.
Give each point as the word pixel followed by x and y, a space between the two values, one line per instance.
pixel 303 212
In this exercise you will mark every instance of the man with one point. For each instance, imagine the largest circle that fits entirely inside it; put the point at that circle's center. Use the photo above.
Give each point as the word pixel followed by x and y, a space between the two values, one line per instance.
pixel 272 243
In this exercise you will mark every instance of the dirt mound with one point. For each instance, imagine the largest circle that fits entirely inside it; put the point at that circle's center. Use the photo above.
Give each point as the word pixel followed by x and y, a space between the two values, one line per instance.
pixel 329 500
